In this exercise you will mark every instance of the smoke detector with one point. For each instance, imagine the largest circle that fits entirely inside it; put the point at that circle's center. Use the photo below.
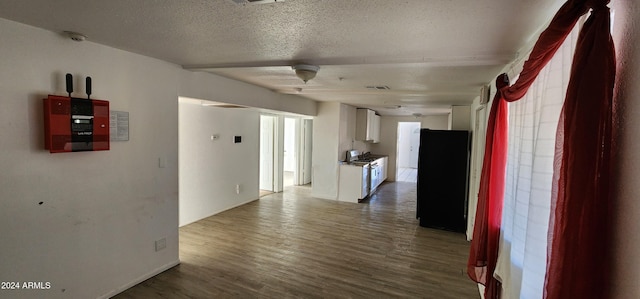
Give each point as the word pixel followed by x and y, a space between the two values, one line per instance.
pixel 75 36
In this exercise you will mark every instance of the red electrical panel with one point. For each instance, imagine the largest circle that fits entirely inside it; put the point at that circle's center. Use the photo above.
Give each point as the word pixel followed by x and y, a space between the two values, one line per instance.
pixel 74 124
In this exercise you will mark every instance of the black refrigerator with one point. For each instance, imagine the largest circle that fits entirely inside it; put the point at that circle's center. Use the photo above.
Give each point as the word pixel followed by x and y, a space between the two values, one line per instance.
pixel 443 172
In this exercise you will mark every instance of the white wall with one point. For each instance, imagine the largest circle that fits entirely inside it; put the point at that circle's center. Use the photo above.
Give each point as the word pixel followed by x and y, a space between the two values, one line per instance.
pixel 211 169
pixel 389 136
pixel 325 151
pixel 626 272
pixel 93 235
pixel 460 118
pixel 101 211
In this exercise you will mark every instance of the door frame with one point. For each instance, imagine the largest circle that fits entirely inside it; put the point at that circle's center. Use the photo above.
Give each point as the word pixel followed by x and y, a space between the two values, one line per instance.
pixel 303 144
pixel 270 136
pixel 304 131
pixel 477 152
pixel 399 153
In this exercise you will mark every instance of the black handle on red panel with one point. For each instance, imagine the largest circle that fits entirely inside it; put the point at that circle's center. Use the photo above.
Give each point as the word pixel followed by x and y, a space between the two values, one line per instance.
pixel 69 78
pixel 88 83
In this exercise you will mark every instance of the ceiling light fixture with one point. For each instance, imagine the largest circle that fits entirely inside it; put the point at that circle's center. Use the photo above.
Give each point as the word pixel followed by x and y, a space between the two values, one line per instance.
pixel 306 72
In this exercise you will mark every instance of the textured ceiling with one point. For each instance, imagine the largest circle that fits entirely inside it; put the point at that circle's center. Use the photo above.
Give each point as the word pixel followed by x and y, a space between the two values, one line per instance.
pixel 430 53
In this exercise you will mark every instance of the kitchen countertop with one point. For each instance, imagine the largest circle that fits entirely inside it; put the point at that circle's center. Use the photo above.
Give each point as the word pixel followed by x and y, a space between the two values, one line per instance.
pixel 372 158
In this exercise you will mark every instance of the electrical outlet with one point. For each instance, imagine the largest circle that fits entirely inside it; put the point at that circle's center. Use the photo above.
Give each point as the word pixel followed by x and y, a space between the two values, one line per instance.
pixel 238 189
pixel 161 244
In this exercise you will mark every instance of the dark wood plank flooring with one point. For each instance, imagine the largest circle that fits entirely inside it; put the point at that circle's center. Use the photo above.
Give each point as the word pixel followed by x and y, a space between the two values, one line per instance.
pixel 289 245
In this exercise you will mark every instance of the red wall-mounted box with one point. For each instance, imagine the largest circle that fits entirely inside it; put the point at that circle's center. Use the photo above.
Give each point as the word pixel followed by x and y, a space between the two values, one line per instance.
pixel 74 124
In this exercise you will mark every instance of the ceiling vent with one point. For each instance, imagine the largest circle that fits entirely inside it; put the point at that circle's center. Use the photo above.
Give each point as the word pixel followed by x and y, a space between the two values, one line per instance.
pixel 243 2
pixel 379 87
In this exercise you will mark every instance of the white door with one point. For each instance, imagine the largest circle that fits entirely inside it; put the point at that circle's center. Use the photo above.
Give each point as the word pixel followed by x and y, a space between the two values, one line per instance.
pixel 407 147
pixel 267 135
pixel 415 145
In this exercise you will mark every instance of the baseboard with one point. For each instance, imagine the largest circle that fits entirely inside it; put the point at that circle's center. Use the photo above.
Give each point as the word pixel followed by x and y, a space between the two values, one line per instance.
pixel 232 207
pixel 220 211
pixel 141 279
pixel 324 196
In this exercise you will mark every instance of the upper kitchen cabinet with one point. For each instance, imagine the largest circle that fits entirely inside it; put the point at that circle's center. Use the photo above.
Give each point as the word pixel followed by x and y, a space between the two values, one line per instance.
pixel 367 125
pixel 376 128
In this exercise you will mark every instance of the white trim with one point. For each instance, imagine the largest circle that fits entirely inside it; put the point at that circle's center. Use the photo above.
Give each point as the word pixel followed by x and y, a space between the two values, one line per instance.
pixel 141 279
pixel 218 212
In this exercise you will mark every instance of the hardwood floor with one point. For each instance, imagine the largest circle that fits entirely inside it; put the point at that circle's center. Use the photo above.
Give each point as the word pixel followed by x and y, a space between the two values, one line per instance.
pixel 289 245
pixel 262 193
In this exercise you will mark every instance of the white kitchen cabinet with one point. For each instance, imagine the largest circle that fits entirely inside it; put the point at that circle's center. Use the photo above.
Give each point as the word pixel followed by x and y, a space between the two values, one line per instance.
pixel 375 135
pixel 353 184
pixel 357 181
pixel 384 165
pixel 378 172
pixel 367 125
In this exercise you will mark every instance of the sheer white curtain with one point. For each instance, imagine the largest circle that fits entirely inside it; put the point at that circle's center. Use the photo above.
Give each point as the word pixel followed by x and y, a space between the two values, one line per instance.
pixel 532 130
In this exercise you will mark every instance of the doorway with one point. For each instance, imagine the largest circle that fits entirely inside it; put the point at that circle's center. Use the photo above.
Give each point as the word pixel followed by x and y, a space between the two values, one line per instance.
pixel 407 151
pixel 285 152
pixel 298 136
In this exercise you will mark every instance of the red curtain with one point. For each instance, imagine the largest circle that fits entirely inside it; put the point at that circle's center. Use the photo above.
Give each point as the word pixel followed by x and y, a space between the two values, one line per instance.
pixel 578 264
pixel 580 203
